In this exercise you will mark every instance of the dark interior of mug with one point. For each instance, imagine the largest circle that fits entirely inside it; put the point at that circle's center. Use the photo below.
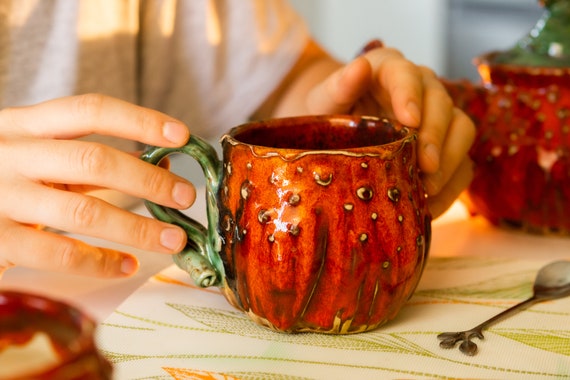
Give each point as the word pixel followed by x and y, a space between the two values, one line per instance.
pixel 320 132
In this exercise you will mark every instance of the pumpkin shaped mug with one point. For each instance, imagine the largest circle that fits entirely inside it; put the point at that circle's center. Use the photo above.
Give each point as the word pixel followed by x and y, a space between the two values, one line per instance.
pixel 315 223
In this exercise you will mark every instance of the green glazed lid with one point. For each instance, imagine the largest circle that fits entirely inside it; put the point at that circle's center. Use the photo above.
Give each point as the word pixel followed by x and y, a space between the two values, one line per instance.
pixel 548 43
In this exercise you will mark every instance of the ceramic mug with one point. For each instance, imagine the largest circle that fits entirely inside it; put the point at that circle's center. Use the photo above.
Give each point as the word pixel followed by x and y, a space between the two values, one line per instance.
pixel 315 223
pixel 42 338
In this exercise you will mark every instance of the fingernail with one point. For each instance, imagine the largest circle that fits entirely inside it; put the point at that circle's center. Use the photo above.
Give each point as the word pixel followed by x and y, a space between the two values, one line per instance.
pixel 183 194
pixel 414 112
pixel 172 238
pixel 129 265
pixel 175 132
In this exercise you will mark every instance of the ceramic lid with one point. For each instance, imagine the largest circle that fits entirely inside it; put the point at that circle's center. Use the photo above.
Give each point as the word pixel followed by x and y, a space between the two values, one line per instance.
pixel 548 42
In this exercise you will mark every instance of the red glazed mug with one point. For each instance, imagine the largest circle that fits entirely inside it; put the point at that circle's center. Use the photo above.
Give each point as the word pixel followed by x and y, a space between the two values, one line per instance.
pixel 45 339
pixel 316 223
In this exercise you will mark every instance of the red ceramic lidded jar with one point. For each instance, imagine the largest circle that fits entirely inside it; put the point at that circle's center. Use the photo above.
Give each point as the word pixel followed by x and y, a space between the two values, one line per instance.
pixel 522 114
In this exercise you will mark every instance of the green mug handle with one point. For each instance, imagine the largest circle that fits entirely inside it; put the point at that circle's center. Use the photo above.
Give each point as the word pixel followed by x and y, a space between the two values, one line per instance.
pixel 200 258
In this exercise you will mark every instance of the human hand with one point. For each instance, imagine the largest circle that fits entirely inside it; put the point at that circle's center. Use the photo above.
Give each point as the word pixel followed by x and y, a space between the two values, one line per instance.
pixel 46 178
pixel 382 82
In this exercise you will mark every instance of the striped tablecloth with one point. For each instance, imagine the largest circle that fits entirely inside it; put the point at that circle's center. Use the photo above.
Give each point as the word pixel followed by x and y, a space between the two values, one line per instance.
pixel 169 329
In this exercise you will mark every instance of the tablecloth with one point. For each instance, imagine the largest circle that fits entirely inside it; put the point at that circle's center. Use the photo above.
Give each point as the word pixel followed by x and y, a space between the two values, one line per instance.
pixel 170 329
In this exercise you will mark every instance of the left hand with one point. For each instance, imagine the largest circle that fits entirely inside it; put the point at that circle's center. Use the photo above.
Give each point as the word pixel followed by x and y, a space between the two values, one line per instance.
pixel 382 82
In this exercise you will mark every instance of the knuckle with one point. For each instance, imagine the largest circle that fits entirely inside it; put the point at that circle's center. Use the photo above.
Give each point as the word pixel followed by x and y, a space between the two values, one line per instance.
pixel 143 233
pixel 73 256
pixel 427 72
pixel 147 121
pixel 464 120
pixel 392 52
pixel 65 255
pixel 83 211
pixel 441 96
pixel 88 105
pixel 399 63
pixel 94 159
pixel 156 181
pixel 446 100
pixel 107 263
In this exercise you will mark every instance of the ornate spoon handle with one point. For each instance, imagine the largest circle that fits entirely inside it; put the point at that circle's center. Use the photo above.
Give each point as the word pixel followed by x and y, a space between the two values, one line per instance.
pixel 450 339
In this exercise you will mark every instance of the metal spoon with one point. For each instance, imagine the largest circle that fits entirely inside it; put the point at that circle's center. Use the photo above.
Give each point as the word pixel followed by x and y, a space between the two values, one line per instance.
pixel 552 282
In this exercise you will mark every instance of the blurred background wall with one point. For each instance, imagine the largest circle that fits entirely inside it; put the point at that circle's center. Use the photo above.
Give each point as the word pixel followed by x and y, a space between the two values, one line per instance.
pixel 442 34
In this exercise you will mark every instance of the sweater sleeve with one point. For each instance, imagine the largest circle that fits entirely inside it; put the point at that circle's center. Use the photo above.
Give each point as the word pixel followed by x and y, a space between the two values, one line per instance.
pixel 212 63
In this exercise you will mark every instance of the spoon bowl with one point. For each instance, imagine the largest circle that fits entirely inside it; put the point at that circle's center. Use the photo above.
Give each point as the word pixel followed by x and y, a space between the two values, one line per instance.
pixel 553 281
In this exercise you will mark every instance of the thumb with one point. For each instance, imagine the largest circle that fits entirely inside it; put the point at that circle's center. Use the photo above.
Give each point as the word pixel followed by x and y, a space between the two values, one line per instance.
pixel 340 90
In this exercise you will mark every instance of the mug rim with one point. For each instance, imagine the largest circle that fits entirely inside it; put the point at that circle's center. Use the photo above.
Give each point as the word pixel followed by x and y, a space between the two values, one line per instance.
pixel 408 133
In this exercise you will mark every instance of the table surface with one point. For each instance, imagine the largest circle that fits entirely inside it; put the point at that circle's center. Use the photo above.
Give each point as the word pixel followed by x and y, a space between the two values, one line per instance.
pixel 463 249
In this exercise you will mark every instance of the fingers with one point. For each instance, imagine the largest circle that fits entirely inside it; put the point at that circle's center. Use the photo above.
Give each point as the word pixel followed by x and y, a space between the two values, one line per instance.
pixel 459 180
pixel 25 246
pixel 438 114
pixel 338 93
pixel 81 214
pixel 36 139
pixel 458 138
pixel 82 163
pixel 76 116
pixel 397 85
pixel 383 82
pixel 392 84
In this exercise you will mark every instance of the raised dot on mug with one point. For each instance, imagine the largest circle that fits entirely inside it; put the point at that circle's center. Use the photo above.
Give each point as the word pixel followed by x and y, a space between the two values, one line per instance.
pixel 348 206
pixel 363 237
pixel 245 190
pixel 294 229
pixel 364 165
pixel 273 179
pixel 365 193
pixel 322 181
pixel 249 166
pixel 263 216
pixel 394 194
pixel 271 238
pixel 294 199
pixel 420 240
pixel 400 218
pixel 374 216
pixel 385 264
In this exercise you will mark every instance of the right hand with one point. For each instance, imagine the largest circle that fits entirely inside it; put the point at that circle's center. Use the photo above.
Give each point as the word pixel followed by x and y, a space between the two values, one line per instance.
pixel 46 177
